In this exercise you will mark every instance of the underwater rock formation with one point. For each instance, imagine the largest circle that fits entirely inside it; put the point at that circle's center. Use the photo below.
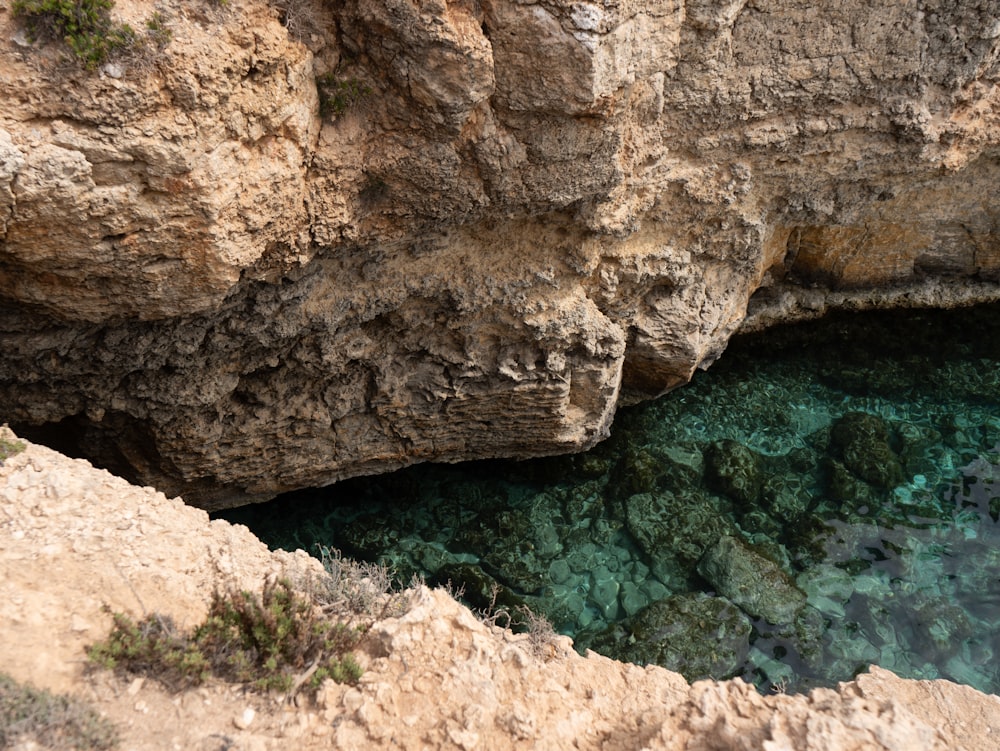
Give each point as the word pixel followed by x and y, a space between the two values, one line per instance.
pixel 696 635
pixel 735 470
pixel 752 581
pixel 223 278
pixel 863 443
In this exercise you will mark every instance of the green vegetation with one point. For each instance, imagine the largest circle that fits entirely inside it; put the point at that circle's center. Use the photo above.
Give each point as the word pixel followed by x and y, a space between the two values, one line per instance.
pixel 86 27
pixel 10 447
pixel 156 30
pixel 56 722
pixel 279 640
pixel 337 95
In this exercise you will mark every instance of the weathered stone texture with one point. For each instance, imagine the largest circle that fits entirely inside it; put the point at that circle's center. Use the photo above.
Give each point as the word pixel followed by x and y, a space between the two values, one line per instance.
pixel 535 211
pixel 435 676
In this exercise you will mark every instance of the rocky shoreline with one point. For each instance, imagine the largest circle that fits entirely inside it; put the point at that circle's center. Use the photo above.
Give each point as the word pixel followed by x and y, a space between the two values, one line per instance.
pixel 76 539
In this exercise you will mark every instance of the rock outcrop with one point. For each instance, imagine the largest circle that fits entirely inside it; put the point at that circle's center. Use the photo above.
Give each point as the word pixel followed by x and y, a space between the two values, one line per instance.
pixel 77 539
pixel 511 217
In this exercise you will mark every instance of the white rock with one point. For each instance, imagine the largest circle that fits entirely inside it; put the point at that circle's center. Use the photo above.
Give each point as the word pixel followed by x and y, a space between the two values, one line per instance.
pixel 243 721
pixel 112 70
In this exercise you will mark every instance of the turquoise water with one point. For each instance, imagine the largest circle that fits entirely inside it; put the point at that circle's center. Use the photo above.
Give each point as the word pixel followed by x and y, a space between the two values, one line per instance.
pixel 825 497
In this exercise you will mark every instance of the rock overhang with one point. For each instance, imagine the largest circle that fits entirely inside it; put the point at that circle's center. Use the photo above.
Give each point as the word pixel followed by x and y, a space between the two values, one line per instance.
pixel 538 210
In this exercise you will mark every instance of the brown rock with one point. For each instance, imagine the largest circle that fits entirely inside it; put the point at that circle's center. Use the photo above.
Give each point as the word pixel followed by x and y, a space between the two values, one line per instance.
pixel 532 212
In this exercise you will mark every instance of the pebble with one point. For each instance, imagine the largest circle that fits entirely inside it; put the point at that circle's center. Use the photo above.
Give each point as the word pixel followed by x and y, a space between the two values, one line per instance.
pixel 243 721
pixel 112 70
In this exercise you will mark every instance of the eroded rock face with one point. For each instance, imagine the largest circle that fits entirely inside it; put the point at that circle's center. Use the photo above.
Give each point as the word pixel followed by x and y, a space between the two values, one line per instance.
pixel 533 212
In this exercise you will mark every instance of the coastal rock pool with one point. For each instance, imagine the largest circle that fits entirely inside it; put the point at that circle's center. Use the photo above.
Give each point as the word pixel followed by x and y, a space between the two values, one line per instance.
pixel 825 497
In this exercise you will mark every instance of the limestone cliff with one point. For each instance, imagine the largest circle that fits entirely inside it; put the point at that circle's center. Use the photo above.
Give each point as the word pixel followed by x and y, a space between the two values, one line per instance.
pixel 519 214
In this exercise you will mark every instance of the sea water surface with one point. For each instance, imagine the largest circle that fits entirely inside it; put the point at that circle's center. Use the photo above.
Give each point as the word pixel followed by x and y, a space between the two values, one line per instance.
pixel 825 497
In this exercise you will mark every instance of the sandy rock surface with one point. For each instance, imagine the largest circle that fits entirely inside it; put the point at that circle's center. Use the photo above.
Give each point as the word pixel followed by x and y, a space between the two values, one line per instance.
pixel 74 539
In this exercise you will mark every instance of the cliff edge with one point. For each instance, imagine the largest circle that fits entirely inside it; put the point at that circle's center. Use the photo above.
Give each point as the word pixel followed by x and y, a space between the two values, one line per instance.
pixel 77 539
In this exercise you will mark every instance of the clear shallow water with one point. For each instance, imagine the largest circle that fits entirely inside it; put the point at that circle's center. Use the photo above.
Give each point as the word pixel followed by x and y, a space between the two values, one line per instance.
pixel 825 497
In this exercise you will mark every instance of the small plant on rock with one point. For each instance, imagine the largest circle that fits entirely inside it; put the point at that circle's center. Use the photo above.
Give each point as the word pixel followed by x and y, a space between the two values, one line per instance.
pixel 302 18
pixel 10 447
pixel 337 95
pixel 157 32
pixel 151 646
pixel 278 640
pixel 30 716
pixel 358 588
pixel 542 635
pixel 84 25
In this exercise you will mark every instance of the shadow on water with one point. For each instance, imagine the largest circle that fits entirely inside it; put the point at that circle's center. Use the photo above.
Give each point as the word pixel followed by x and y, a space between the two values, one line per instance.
pixel 825 497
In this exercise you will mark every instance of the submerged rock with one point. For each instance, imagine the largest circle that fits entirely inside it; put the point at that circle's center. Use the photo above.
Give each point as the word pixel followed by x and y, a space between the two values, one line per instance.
pixel 755 583
pixel 862 442
pixel 785 497
pixel 939 629
pixel 851 494
pixel 734 469
pixel 669 526
pixel 697 635
pixel 644 470
pixel 828 588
